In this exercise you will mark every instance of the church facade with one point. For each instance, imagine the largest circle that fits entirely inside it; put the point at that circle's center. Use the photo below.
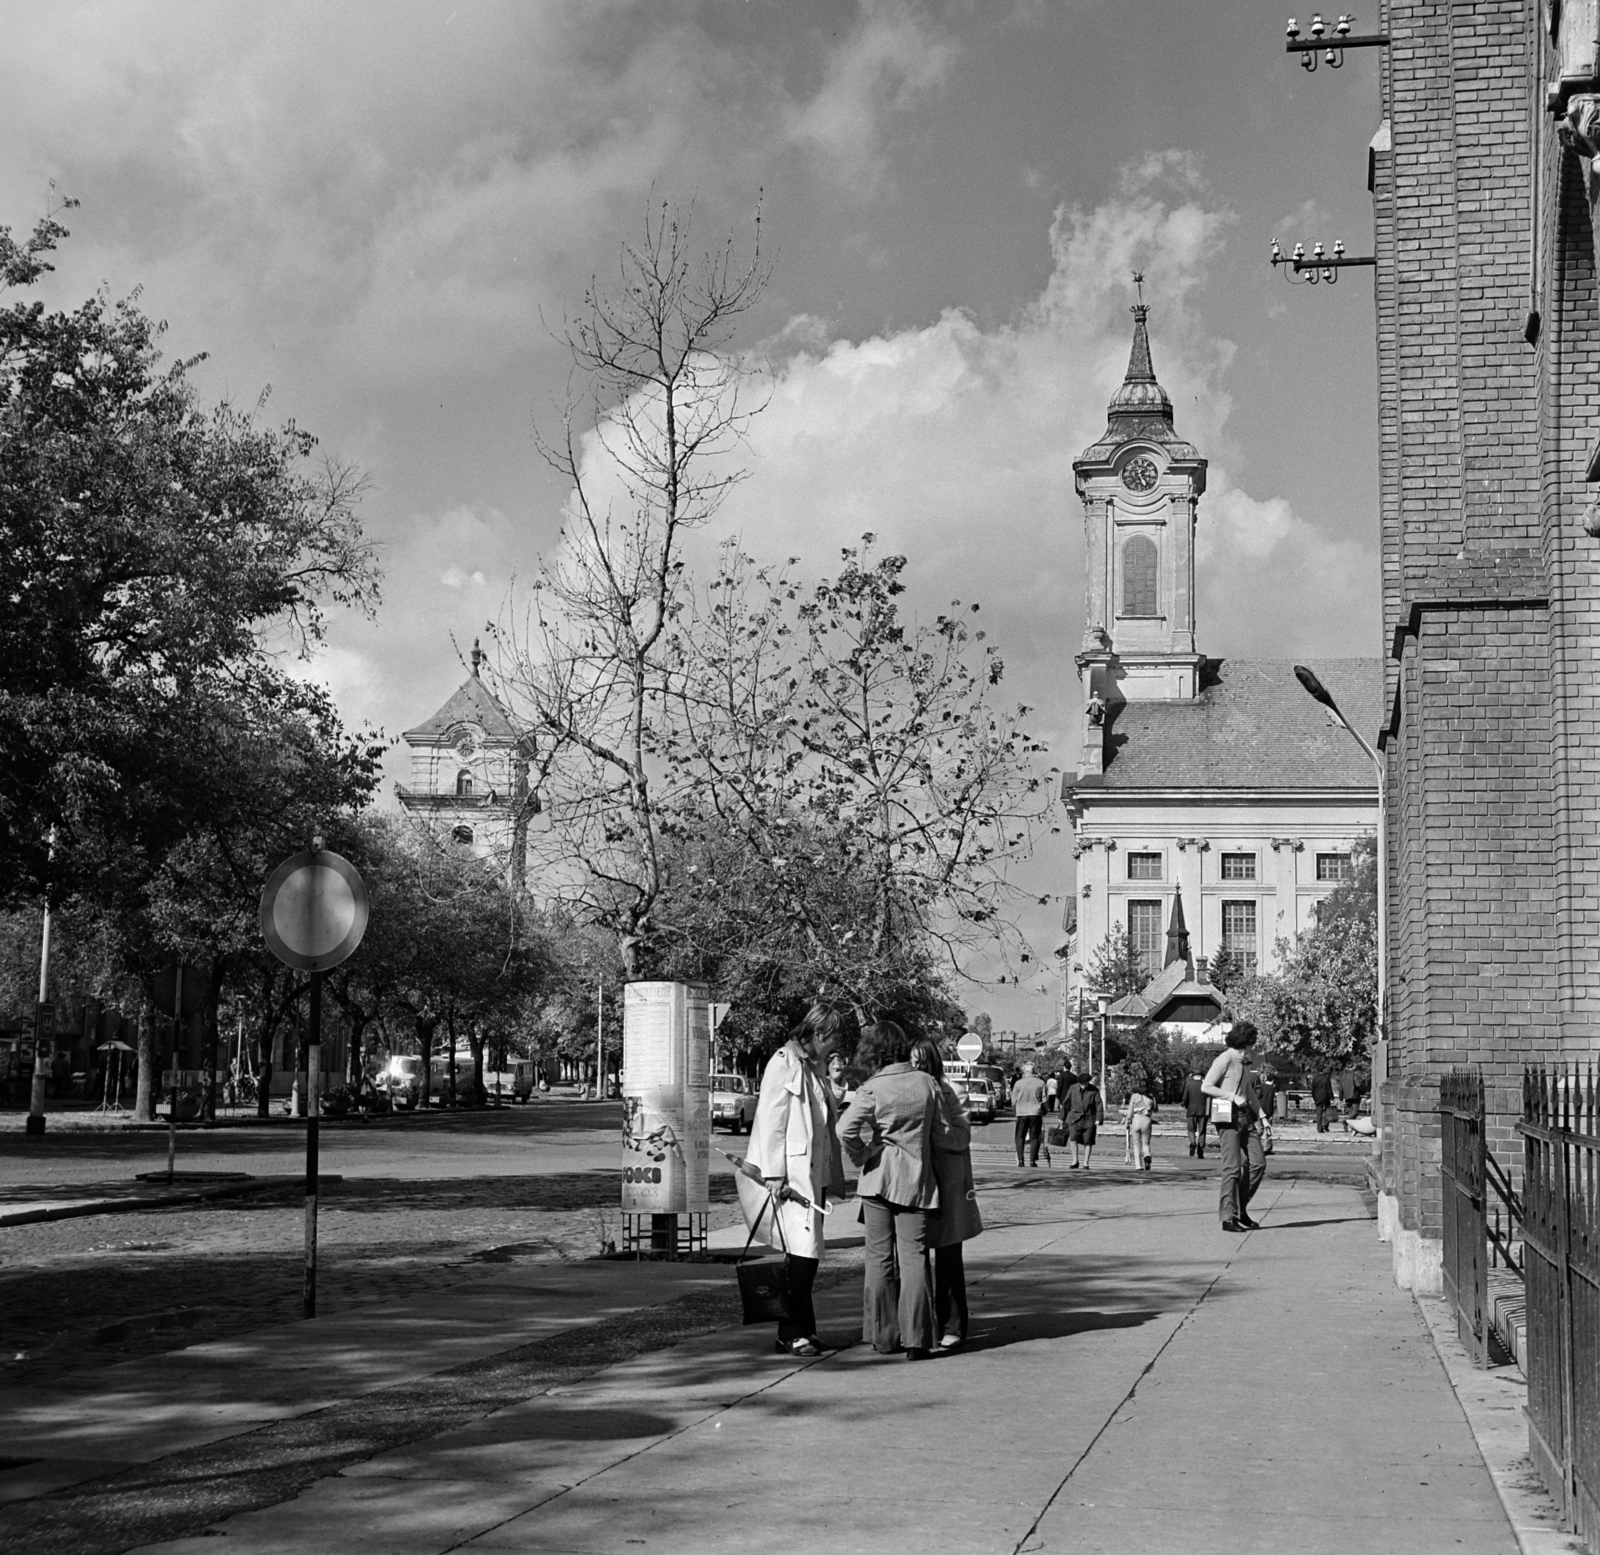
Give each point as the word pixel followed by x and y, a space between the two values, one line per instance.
pixel 1217 782
pixel 469 776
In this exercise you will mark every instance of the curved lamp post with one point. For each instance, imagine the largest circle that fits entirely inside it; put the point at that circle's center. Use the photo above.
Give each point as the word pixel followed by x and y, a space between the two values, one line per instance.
pixel 1320 693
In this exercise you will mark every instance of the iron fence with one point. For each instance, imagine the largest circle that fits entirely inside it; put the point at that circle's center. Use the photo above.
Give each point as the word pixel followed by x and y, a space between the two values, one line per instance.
pixel 1463 1172
pixel 1560 1130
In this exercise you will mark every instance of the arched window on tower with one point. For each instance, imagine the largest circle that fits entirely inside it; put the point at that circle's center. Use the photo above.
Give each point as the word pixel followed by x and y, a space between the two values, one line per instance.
pixel 1139 569
pixel 462 834
pixel 463 784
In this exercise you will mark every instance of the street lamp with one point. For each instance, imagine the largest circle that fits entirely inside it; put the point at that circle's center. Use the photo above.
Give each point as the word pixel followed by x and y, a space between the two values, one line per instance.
pixel 1104 1004
pixel 1320 693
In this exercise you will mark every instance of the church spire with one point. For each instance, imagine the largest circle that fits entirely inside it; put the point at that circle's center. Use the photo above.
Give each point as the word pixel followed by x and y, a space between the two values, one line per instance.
pixel 1141 398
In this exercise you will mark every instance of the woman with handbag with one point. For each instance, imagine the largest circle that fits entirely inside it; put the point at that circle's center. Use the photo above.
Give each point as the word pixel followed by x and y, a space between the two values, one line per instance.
pixel 1243 1161
pixel 958 1219
pixel 888 1133
pixel 792 1146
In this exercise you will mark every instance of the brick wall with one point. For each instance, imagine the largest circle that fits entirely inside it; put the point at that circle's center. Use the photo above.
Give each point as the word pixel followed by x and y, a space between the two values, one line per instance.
pixel 1491 588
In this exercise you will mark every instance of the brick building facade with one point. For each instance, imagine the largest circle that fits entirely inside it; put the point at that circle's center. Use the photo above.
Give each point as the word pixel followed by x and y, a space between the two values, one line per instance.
pixel 1489 410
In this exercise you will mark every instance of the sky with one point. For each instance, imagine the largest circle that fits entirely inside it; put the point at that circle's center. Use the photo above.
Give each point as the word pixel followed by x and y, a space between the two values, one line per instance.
pixel 379 215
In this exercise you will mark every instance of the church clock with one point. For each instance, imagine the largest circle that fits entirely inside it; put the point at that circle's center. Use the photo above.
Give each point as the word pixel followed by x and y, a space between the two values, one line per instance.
pixel 1140 475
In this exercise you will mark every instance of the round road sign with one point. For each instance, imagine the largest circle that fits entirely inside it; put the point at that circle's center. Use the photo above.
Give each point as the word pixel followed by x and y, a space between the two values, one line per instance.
pixel 314 911
pixel 970 1048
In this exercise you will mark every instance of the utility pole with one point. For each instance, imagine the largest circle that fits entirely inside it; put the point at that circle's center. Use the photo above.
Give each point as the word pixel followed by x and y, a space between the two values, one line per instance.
pixel 600 1038
pixel 42 1012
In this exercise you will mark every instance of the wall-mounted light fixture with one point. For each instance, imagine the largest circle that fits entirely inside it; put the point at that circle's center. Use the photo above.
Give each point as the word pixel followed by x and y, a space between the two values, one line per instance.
pixel 1330 46
pixel 1319 265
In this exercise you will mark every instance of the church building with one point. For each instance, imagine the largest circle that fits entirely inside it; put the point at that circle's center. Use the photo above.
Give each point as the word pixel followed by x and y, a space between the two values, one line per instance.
pixel 469 775
pixel 1217 779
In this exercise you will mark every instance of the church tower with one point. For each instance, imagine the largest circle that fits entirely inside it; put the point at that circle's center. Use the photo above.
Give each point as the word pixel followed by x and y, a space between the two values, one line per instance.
pixel 1141 485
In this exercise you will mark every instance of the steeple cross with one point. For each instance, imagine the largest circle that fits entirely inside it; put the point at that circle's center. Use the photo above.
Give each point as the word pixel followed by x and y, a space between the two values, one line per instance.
pixel 1138 281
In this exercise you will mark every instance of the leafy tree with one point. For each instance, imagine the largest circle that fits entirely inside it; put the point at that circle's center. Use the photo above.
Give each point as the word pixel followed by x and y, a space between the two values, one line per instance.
pixel 862 762
pixel 150 547
pixel 1116 968
pixel 1323 1001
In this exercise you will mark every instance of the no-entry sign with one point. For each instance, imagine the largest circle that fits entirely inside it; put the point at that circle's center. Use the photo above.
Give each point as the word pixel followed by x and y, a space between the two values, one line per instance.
pixel 970 1047
pixel 314 911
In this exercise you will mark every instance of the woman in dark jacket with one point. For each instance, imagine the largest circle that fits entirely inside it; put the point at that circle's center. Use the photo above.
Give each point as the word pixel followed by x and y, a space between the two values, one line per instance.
pixel 958 1219
pixel 888 1133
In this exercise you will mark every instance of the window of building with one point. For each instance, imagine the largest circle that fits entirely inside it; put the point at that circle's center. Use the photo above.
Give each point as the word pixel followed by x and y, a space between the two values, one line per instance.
pixel 1238 866
pixel 463 784
pixel 1239 933
pixel 1139 567
pixel 1145 934
pixel 1144 866
pixel 462 834
pixel 1334 866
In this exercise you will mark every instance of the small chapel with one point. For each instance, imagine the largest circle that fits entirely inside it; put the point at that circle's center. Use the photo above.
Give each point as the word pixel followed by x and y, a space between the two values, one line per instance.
pixel 469 775
pixel 1212 797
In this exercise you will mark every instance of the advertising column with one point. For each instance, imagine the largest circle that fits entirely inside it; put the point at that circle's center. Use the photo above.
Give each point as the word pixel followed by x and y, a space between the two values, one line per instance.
pixel 666 1099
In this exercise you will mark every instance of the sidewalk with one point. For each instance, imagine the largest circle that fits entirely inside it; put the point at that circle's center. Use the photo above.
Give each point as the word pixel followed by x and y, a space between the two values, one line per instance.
pixel 1136 1380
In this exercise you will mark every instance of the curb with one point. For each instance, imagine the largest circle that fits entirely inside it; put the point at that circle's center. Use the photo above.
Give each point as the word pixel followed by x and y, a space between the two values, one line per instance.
pixel 26 1217
pixel 1494 1401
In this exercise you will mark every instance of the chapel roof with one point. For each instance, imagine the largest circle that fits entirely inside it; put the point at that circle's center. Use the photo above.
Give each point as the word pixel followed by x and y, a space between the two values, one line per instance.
pixel 470 702
pixel 1252 725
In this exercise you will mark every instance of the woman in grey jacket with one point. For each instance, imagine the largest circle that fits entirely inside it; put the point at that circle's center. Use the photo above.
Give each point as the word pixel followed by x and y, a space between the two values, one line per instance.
pixel 888 1134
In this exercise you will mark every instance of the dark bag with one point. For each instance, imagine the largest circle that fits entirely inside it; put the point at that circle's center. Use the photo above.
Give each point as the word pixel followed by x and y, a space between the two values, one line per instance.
pixel 763 1282
pixel 1057 1135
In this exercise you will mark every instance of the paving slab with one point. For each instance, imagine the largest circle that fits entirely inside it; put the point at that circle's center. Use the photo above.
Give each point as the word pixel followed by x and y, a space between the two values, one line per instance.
pixel 1135 1379
pixel 95 1423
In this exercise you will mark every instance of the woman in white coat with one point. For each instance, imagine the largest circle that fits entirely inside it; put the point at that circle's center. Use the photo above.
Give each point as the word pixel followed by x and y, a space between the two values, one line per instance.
pixel 793 1146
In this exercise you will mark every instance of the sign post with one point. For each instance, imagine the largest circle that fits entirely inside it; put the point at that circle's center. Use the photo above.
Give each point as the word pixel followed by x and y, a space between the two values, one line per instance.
pixel 313 915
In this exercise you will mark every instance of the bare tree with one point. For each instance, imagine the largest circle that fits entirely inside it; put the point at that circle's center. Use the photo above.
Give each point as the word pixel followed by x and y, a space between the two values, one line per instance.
pixel 646 444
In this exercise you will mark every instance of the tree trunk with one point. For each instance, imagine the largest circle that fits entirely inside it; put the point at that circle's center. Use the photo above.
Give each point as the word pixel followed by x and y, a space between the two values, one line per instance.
pixel 475 1041
pixel 426 1025
pixel 211 1038
pixel 144 1099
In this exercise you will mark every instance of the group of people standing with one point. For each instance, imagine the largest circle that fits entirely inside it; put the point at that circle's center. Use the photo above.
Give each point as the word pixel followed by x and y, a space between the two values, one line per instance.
pixel 907 1134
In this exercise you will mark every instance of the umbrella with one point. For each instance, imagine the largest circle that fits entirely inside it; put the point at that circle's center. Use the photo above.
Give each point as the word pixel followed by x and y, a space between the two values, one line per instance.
pixel 116 1046
pixel 745 1169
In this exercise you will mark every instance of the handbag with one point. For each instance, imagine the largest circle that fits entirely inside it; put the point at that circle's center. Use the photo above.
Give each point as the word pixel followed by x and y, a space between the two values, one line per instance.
pixel 1221 1112
pixel 763 1282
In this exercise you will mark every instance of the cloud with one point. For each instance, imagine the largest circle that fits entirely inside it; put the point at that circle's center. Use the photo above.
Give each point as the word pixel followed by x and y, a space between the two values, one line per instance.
pixel 890 60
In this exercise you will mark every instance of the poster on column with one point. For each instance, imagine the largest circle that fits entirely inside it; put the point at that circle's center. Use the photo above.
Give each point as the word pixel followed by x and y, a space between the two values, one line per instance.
pixel 666 1098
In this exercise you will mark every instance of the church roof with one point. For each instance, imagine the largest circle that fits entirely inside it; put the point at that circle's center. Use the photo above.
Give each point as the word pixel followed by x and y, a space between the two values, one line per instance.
pixel 1251 726
pixel 470 702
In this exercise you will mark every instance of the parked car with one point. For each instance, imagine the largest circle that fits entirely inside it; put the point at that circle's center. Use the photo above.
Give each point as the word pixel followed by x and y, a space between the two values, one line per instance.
pixel 733 1103
pixel 977 1096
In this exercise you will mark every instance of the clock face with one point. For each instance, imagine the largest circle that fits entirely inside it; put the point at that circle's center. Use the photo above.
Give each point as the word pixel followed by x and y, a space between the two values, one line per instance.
pixel 1140 475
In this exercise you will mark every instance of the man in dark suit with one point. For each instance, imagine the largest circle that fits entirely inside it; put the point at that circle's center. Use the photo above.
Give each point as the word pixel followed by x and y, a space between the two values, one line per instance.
pixel 1322 1098
pixel 1196 1106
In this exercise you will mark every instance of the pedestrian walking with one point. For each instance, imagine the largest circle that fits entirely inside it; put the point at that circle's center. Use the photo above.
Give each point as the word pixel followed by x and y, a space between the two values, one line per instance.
pixel 1051 1089
pixel 1234 1100
pixel 1085 1112
pixel 1322 1098
pixel 1027 1102
pixel 838 1083
pixel 888 1133
pixel 1139 1112
pixel 958 1219
pixel 1196 1104
pixel 1349 1093
pixel 794 1146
